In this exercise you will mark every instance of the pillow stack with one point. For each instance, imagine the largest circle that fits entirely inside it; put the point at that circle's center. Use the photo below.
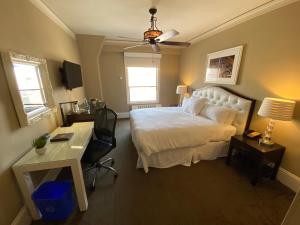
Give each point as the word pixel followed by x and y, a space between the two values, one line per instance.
pixel 220 114
pixel 193 105
pixel 200 106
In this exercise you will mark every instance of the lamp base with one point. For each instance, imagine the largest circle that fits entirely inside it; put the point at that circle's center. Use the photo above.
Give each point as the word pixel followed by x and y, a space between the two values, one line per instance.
pixel 266 142
pixel 267 137
pixel 181 100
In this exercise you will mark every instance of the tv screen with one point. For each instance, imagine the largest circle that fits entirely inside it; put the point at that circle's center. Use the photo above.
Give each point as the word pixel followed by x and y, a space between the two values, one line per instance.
pixel 71 75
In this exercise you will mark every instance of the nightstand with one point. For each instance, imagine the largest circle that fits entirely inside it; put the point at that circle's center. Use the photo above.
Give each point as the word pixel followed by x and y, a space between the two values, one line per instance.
pixel 264 160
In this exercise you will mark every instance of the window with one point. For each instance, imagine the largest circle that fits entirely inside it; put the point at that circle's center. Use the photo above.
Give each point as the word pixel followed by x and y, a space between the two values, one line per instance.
pixel 142 77
pixel 29 85
pixel 142 84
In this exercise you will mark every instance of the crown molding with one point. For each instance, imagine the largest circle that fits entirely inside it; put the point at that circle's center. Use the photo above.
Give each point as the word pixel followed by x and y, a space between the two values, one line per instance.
pixel 109 41
pixel 118 46
pixel 258 11
pixel 44 9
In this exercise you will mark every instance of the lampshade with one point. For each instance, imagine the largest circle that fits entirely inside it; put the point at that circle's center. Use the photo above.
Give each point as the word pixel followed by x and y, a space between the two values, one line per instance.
pixel 181 89
pixel 277 109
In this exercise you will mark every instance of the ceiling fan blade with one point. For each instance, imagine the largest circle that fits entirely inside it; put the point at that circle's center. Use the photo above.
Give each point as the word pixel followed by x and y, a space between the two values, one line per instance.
pixel 135 46
pixel 167 35
pixel 155 48
pixel 175 43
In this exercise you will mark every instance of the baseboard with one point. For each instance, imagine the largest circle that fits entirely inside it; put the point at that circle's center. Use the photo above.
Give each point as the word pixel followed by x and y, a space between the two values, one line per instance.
pixel 288 179
pixel 123 115
pixel 23 217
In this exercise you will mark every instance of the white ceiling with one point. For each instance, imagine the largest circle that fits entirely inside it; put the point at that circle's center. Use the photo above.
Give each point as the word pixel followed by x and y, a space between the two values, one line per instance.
pixel 114 18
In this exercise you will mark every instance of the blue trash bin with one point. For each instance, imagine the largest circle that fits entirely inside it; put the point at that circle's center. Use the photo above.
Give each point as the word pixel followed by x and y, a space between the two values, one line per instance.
pixel 55 200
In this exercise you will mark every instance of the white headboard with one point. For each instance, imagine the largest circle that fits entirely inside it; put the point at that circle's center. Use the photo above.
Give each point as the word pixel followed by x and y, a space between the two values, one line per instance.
pixel 223 97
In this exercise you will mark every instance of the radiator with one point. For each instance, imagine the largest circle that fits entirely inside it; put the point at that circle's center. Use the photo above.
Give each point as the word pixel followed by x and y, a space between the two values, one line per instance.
pixel 145 106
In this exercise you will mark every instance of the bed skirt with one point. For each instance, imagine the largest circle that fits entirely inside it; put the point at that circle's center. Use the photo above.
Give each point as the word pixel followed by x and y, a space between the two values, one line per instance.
pixel 183 156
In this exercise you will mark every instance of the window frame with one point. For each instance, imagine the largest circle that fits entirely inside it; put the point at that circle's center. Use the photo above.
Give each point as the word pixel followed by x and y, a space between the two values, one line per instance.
pixel 157 86
pixel 28 118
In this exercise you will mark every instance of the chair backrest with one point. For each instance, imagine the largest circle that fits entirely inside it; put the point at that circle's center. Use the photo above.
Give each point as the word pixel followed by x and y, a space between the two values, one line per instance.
pixel 105 125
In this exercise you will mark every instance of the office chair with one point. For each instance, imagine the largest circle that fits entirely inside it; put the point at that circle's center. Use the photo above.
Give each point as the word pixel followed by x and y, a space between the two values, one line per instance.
pixel 102 143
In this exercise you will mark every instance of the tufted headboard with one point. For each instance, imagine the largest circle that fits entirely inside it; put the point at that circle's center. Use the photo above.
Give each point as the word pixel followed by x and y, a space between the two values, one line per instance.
pixel 227 98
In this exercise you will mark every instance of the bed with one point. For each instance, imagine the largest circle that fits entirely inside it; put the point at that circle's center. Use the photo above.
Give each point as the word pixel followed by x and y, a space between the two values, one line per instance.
pixel 168 136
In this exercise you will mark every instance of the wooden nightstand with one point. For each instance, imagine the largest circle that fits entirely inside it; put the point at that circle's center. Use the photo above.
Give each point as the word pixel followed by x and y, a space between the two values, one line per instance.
pixel 264 159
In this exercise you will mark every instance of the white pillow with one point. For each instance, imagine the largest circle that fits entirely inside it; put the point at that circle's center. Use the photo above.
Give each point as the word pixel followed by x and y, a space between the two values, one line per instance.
pixel 219 114
pixel 231 116
pixel 185 101
pixel 194 105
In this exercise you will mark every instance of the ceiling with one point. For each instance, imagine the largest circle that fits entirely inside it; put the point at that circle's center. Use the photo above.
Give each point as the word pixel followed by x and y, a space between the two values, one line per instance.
pixel 130 18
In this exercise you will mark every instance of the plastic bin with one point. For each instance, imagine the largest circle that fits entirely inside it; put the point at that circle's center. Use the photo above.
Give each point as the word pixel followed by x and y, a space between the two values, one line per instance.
pixel 55 200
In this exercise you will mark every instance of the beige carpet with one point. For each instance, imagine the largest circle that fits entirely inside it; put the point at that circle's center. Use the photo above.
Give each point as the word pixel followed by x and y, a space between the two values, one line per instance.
pixel 207 193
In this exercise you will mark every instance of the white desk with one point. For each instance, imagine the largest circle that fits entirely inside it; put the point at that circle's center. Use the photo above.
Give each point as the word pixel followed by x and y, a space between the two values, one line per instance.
pixel 57 156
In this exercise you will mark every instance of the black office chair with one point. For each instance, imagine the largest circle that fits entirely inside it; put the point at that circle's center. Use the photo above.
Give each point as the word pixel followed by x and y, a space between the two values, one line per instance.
pixel 102 143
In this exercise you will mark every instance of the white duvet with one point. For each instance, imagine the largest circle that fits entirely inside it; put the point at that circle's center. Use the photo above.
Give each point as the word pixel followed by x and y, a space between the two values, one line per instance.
pixel 165 128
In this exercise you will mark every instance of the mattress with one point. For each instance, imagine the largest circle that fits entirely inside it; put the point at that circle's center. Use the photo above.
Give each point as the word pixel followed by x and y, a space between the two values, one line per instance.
pixel 160 129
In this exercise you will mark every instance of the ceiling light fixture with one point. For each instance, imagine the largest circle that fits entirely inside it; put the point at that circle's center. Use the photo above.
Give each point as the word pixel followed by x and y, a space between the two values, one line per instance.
pixel 153 32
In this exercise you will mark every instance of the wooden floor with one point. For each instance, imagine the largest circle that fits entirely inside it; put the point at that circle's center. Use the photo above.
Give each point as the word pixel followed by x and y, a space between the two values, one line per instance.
pixel 207 193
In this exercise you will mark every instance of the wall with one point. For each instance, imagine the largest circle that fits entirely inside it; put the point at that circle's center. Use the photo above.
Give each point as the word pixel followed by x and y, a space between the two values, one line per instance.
pixel 90 47
pixel 26 30
pixel 270 67
pixel 112 68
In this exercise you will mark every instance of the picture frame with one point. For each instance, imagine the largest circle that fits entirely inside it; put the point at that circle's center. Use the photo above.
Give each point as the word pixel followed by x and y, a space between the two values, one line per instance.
pixel 223 66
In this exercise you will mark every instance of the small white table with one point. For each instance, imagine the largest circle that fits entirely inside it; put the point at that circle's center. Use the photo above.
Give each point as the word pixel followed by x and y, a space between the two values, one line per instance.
pixel 57 156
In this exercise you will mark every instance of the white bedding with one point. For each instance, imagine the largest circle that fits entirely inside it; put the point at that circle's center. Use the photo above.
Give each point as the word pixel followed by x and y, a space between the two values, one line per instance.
pixel 160 129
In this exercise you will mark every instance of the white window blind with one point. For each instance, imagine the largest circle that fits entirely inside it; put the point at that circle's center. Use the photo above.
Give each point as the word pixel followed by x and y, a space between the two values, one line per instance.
pixel 142 77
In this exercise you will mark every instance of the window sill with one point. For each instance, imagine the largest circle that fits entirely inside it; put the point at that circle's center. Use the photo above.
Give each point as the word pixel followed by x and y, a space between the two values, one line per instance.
pixel 39 114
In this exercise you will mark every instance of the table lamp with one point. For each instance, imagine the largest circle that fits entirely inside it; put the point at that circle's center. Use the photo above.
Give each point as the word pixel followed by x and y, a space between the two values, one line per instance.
pixel 181 90
pixel 275 109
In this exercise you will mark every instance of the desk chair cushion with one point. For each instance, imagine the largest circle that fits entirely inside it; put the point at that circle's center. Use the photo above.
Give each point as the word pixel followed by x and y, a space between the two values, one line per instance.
pixel 95 150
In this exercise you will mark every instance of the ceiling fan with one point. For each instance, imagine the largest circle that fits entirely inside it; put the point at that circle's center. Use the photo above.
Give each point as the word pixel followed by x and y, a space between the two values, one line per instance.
pixel 153 36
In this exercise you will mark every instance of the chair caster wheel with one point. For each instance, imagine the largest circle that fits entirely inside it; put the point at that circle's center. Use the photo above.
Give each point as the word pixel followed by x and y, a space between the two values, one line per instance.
pixel 116 175
pixel 92 188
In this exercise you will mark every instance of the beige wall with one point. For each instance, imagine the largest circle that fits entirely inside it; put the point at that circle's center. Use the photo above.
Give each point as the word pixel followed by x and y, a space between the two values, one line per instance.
pixel 26 30
pixel 270 67
pixel 112 68
pixel 90 47
pixel 114 89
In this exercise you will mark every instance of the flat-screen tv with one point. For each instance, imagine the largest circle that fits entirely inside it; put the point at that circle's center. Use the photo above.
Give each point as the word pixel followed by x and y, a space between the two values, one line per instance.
pixel 71 75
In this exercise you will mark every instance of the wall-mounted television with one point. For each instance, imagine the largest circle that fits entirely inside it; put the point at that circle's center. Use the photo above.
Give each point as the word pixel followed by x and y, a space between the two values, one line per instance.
pixel 71 73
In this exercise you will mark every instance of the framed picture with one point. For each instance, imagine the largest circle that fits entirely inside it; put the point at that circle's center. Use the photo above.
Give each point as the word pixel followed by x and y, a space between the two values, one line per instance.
pixel 223 66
